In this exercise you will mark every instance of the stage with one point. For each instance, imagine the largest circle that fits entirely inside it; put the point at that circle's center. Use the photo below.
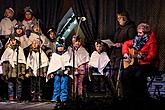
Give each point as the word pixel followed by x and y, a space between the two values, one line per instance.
pixel 101 101
pixel 94 103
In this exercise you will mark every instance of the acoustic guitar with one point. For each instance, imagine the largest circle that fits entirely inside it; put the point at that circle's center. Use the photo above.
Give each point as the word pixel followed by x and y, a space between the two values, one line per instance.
pixel 133 58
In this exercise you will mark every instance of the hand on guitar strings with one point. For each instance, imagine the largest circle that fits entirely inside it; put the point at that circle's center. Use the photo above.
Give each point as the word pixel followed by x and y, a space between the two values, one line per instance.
pixel 126 57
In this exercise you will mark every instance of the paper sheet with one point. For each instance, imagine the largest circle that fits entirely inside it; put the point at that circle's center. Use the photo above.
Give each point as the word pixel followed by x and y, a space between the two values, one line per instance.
pixel 108 42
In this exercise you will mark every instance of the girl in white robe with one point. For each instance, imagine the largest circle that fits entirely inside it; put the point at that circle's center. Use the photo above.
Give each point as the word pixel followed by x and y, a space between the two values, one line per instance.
pixel 37 63
pixel 79 60
pixel 14 64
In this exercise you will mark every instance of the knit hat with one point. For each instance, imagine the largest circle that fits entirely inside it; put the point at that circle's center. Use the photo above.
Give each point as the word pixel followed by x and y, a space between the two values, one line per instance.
pixel 19 25
pixel 51 30
pixel 11 9
pixel 28 9
pixel 60 43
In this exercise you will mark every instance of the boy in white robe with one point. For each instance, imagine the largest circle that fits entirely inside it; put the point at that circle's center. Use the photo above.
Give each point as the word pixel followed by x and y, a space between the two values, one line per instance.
pixel 59 68
pixel 99 67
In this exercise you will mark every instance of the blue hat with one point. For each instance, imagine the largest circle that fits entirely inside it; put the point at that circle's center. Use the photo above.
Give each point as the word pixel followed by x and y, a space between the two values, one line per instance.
pixel 60 43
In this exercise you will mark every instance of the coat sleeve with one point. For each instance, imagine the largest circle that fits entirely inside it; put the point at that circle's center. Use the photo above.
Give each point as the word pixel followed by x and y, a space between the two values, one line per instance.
pixel 126 46
pixel 152 50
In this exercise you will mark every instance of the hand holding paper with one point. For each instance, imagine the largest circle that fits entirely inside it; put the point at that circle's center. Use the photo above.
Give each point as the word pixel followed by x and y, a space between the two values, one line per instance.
pixel 108 42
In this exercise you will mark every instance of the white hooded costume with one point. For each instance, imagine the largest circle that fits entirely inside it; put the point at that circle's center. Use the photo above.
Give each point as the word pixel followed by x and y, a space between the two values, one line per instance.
pixel 99 61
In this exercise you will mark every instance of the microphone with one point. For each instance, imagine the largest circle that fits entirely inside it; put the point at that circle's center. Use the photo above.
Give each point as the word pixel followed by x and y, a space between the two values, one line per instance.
pixel 82 18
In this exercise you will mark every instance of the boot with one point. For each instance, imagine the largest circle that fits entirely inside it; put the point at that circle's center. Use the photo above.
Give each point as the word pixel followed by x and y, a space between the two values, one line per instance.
pixel 63 104
pixel 57 105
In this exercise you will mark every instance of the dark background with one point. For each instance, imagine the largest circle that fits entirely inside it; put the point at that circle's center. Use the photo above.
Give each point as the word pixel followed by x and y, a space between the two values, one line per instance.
pixel 100 14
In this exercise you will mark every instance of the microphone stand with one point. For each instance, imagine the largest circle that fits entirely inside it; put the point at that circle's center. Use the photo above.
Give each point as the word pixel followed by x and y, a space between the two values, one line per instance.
pixel 118 86
pixel 17 50
pixel 39 78
pixel 75 95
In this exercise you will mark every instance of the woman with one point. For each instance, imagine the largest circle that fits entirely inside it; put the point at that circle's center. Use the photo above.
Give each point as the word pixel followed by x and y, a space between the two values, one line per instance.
pixel 134 77
pixel 126 31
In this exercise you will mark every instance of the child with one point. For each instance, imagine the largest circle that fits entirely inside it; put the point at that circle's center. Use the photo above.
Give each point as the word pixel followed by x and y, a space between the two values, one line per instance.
pixel 79 59
pixel 37 63
pixel 19 29
pixel 28 20
pixel 11 70
pixel 58 67
pixel 8 22
pixel 52 39
pixel 37 34
pixel 99 67
pixel 52 42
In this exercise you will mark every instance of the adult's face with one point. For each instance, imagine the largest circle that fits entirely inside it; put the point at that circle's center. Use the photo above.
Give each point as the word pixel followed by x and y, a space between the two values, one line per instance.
pixel 121 20
pixel 140 32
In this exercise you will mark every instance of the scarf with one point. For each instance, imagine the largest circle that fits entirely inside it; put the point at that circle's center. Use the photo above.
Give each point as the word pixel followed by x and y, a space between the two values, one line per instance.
pixel 139 42
pixel 27 20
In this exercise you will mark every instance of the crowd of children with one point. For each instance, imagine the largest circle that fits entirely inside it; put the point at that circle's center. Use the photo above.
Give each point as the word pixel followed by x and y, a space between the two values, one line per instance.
pixel 30 59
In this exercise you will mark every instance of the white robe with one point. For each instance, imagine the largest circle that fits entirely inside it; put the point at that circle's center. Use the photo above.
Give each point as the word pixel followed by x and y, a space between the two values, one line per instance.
pixel 99 60
pixel 58 61
pixel 28 24
pixel 81 56
pixel 7 26
pixel 33 61
pixel 11 56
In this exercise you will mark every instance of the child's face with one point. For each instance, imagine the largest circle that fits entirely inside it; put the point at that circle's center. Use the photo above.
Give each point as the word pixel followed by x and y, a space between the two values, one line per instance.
pixel 77 44
pixel 36 28
pixel 60 48
pixel 13 41
pixel 99 48
pixel 35 44
pixel 28 15
pixel 19 31
pixel 52 35
pixel 9 13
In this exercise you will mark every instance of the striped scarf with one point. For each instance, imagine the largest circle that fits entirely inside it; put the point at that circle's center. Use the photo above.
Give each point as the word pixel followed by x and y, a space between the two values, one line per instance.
pixel 139 42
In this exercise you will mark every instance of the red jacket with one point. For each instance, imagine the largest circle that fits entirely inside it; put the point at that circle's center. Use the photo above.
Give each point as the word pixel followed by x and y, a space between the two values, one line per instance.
pixel 150 48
